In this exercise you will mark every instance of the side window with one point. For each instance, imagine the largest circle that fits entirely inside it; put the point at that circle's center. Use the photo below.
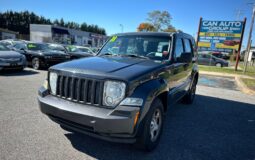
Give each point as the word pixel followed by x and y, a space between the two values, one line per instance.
pixel 187 45
pixel 178 48
pixel 207 56
pixel 17 46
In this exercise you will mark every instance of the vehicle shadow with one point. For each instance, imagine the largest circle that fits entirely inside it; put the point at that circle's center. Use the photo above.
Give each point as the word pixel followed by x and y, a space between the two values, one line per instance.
pixel 211 128
pixel 25 72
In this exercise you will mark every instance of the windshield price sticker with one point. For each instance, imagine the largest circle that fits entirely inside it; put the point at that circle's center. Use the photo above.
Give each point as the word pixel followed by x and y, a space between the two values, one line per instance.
pixel 31 46
pixel 113 39
pixel 158 54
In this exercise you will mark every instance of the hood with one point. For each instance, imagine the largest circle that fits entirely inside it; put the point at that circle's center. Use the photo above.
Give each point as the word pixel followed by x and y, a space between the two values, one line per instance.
pixel 10 54
pixel 125 68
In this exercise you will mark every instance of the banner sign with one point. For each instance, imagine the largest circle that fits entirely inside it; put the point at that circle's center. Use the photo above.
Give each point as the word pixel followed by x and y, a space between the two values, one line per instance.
pixel 222 36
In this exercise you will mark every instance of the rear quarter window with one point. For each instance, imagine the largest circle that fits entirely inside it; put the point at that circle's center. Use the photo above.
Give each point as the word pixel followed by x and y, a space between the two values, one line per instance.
pixel 188 46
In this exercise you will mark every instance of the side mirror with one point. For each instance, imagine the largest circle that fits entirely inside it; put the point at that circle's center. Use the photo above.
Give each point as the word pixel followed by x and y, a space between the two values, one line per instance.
pixel 22 51
pixel 186 57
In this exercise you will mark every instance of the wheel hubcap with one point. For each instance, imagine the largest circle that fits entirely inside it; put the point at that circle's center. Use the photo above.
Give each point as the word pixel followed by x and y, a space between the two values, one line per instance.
pixel 35 63
pixel 155 125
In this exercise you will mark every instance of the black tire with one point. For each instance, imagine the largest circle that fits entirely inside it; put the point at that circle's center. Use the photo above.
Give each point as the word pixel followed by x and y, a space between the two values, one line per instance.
pixel 146 141
pixel 190 96
pixel 36 64
pixel 21 69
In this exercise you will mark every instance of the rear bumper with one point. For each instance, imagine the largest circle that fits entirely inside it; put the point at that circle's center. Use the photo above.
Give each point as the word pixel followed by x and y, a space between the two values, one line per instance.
pixel 116 125
pixel 7 66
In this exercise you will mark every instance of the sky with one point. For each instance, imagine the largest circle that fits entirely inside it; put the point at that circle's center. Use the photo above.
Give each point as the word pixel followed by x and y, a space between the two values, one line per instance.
pixel 109 14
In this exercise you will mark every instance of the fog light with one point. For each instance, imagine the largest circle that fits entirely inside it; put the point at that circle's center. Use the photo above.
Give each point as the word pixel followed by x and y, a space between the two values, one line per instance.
pixel 45 84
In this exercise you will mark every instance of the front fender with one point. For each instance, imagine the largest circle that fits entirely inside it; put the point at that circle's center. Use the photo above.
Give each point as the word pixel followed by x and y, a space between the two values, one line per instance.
pixel 148 91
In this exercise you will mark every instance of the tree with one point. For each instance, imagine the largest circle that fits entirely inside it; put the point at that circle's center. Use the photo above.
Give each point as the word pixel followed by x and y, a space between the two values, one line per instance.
pixel 56 22
pixel 62 22
pixel 170 29
pixel 19 22
pixel 145 27
pixel 84 26
pixel 161 20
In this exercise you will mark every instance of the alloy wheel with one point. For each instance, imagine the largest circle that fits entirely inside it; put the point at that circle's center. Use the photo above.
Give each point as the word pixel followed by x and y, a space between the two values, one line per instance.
pixel 155 125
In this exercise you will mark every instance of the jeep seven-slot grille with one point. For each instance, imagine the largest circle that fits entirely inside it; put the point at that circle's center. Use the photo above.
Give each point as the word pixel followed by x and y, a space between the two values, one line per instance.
pixel 75 89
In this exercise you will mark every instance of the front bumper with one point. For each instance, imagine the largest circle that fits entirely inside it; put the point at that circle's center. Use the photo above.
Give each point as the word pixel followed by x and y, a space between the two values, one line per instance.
pixel 115 125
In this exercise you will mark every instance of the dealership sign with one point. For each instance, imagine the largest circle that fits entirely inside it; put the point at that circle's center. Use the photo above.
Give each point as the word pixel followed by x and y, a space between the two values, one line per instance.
pixel 222 36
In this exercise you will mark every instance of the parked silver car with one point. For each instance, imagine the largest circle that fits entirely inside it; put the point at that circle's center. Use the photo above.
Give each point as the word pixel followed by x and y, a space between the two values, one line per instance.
pixel 11 59
pixel 210 60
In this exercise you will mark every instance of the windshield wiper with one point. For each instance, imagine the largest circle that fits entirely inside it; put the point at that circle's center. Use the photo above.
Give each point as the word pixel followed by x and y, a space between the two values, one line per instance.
pixel 135 55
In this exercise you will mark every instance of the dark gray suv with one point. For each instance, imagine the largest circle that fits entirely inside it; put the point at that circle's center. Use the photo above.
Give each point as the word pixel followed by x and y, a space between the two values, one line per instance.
pixel 123 94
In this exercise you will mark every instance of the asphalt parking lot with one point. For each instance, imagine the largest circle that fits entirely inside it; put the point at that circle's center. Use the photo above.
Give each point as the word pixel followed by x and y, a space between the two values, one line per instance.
pixel 219 125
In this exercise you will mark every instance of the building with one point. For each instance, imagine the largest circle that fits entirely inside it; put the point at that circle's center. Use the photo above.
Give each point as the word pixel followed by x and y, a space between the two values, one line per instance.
pixel 7 34
pixel 57 34
pixel 251 55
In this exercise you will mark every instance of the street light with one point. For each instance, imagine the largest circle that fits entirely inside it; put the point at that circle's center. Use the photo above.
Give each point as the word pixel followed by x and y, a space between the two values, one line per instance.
pixel 122 28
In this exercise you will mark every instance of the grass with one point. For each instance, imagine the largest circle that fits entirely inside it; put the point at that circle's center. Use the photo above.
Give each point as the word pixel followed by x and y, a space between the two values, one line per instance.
pixel 250 83
pixel 230 70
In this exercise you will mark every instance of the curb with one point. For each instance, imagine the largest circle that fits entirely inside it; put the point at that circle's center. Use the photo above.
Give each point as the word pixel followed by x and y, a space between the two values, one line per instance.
pixel 224 74
pixel 243 86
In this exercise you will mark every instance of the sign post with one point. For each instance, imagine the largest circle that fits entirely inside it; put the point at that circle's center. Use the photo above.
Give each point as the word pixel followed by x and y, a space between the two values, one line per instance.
pixel 198 32
pixel 240 46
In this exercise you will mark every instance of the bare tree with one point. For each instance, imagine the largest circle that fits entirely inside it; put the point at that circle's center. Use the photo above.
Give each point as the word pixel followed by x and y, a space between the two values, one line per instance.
pixel 161 20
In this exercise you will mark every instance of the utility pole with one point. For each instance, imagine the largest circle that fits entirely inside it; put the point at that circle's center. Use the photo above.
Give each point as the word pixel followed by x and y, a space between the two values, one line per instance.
pixel 122 28
pixel 248 47
pixel 239 12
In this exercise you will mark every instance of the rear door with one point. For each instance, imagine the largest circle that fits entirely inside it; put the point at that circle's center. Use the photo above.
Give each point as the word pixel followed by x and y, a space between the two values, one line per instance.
pixel 181 76
pixel 188 65
pixel 178 75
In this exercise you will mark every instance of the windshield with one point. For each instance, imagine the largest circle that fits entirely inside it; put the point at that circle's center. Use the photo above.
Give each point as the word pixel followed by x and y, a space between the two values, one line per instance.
pixel 3 48
pixel 153 47
pixel 79 49
pixel 36 46
pixel 56 47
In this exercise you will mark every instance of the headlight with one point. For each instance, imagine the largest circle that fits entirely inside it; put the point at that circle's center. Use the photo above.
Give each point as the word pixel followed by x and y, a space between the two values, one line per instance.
pixel 53 82
pixel 114 92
